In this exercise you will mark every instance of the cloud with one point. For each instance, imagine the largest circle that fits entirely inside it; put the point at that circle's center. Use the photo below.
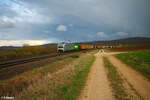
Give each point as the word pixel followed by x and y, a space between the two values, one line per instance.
pixel 32 16
pixel 5 25
pixel 46 31
pixel 109 36
pixel 27 17
pixel 22 42
pixel 101 19
pixel 101 35
pixel 7 19
pixel 70 25
pixel 62 28
pixel 112 13
pixel 90 36
pixel 122 33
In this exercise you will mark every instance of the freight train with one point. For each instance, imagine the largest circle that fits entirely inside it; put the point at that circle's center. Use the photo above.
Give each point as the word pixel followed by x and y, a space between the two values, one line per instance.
pixel 63 47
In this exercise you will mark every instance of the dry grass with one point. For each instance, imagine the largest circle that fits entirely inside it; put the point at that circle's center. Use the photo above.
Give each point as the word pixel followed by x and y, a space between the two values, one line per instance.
pixel 130 48
pixel 47 87
pixel 26 51
pixel 72 89
pixel 61 85
pixel 15 85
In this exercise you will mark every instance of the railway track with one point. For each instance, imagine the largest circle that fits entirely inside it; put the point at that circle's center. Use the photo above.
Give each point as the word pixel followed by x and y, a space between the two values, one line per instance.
pixel 12 68
pixel 9 63
pixel 24 60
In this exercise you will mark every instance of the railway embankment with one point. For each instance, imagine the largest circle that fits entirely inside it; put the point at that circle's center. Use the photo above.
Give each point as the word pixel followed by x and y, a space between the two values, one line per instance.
pixel 35 83
pixel 16 67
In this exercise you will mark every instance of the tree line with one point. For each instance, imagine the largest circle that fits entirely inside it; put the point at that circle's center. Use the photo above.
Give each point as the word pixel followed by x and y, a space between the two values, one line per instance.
pixel 26 51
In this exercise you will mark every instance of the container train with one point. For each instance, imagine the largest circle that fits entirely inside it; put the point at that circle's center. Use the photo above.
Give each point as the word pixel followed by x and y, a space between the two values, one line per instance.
pixel 63 47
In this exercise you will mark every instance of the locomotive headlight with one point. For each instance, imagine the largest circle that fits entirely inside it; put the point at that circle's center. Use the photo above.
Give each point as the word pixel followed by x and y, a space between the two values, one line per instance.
pixel 76 46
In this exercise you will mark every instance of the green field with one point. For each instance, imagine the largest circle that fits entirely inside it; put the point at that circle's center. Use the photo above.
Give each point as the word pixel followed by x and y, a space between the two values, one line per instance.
pixel 139 60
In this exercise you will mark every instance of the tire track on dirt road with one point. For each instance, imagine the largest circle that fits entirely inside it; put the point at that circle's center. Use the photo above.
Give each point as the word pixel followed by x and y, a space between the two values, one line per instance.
pixel 138 82
pixel 97 85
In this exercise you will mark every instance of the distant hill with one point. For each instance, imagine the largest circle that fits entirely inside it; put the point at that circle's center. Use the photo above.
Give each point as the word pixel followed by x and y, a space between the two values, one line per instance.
pixel 126 41
pixel 14 47
pixel 7 47
pixel 50 44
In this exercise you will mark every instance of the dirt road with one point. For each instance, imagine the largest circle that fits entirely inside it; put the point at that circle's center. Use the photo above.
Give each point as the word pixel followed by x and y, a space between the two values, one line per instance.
pixel 97 86
pixel 138 82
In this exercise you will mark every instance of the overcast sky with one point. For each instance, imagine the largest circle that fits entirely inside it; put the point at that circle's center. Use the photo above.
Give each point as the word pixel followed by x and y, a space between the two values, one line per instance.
pixel 45 21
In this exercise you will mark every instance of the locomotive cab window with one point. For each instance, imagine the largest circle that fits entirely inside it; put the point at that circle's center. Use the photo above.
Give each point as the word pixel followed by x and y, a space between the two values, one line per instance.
pixel 60 46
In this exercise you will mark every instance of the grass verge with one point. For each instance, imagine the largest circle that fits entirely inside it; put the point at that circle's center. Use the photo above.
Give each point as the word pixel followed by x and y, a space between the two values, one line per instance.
pixel 16 84
pixel 71 90
pixel 75 56
pixel 138 60
pixel 65 84
pixel 116 81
